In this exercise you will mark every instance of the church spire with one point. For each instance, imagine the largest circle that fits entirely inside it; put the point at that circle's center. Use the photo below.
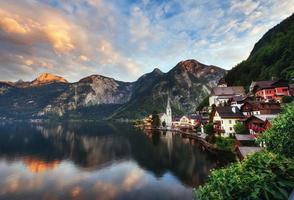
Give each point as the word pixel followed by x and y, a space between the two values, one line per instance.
pixel 168 113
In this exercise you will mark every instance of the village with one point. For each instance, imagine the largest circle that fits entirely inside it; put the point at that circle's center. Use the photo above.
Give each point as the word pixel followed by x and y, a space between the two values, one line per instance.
pixel 231 114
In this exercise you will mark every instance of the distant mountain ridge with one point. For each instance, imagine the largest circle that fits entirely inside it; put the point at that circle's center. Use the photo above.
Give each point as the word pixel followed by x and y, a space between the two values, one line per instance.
pixel 42 79
pixel 100 97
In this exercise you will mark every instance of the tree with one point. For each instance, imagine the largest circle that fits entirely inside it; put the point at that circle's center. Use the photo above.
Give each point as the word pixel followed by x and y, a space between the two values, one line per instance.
pixel 163 124
pixel 263 175
pixel 280 137
pixel 204 103
pixel 208 129
pixel 155 120
pixel 287 99
pixel 240 128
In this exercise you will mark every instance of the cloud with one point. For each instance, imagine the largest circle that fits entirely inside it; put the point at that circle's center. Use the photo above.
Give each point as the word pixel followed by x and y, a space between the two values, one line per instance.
pixel 246 7
pixel 132 179
pixel 59 37
pixel 10 25
pixel 110 57
pixel 126 39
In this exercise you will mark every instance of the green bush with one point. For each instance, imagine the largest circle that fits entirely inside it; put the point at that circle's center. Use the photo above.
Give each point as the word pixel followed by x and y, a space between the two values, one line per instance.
pixel 226 144
pixel 287 99
pixel 280 137
pixel 240 128
pixel 155 120
pixel 208 129
pixel 198 129
pixel 263 175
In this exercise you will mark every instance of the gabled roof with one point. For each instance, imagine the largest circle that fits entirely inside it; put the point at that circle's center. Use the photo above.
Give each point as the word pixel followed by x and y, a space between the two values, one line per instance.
pixel 229 112
pixel 197 117
pixel 259 85
pixel 258 105
pixel 269 117
pixel 227 91
pixel 262 118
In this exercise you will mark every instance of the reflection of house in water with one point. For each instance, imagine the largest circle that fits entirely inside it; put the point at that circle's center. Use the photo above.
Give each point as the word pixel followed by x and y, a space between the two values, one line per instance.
pixel 176 155
pixel 94 147
pixel 168 139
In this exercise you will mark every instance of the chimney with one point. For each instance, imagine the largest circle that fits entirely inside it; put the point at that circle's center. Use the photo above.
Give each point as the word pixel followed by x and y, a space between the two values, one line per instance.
pixel 234 109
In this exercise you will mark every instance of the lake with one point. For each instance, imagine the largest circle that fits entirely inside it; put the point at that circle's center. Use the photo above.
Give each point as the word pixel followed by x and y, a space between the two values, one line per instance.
pixel 99 161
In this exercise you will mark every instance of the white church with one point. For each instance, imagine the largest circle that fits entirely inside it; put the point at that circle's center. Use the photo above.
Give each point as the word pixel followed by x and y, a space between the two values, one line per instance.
pixel 167 116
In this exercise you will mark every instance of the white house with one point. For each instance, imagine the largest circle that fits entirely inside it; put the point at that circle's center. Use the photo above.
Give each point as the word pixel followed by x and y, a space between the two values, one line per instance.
pixel 225 118
pixel 221 95
pixel 187 121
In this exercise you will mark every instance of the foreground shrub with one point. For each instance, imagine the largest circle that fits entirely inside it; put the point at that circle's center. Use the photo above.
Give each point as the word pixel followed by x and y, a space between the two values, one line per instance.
pixel 240 128
pixel 280 138
pixel 224 143
pixel 263 175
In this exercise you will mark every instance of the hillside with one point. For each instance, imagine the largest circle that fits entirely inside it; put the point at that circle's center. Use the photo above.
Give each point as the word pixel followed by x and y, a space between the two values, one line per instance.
pixel 271 57
pixel 186 84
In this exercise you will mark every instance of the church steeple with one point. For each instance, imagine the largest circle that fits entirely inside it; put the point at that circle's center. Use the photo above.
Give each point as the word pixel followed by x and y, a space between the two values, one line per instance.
pixel 168 113
pixel 168 108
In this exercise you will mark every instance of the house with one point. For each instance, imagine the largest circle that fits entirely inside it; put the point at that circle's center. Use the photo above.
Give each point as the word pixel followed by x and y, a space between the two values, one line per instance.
pixel 270 90
pixel 195 120
pixel 260 108
pixel 181 122
pixel 245 140
pixel 224 119
pixel 259 123
pixel 238 101
pixel 244 151
pixel 291 87
pixel 187 121
pixel 222 95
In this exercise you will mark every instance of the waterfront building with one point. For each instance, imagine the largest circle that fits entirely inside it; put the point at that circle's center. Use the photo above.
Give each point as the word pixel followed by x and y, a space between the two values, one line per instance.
pixel 167 116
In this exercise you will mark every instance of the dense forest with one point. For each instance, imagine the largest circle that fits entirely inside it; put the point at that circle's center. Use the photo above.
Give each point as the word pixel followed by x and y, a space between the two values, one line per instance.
pixel 271 57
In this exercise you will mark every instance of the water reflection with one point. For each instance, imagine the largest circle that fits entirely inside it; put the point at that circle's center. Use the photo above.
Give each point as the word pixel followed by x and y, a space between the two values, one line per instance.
pixel 98 161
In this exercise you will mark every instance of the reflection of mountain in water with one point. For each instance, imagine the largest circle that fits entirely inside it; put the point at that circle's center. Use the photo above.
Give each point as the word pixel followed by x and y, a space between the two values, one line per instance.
pixel 86 145
pixel 36 166
pixel 93 146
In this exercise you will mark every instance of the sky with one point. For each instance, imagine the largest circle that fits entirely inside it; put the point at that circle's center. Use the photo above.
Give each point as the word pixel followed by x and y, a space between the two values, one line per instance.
pixel 124 39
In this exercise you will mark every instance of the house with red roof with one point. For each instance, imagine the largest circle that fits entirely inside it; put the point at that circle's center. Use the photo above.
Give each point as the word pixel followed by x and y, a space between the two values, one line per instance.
pixel 270 90
pixel 259 123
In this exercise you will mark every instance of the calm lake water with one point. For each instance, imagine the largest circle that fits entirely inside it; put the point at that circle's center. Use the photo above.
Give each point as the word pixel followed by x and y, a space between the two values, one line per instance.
pixel 99 161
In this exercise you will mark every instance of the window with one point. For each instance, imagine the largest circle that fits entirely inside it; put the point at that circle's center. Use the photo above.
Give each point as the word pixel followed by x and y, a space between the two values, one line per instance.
pixel 231 128
pixel 222 121
pixel 230 121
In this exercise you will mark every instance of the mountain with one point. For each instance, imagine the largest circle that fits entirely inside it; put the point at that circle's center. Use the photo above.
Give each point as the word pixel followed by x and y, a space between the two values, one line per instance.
pixel 47 78
pixel 271 57
pixel 186 84
pixel 99 97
